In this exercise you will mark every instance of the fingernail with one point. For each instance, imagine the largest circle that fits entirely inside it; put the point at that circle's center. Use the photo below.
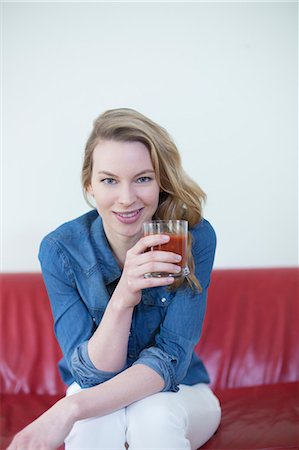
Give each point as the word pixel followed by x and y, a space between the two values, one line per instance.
pixel 165 238
pixel 177 257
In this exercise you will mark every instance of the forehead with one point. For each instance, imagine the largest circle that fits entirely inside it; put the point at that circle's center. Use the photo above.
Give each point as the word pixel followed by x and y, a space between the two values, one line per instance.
pixel 117 156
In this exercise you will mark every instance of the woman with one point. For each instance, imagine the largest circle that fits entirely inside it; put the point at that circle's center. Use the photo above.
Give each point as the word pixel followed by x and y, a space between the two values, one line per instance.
pixel 128 340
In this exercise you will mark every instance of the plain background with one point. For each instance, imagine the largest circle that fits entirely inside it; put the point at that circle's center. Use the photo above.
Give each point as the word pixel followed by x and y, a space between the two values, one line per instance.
pixel 220 77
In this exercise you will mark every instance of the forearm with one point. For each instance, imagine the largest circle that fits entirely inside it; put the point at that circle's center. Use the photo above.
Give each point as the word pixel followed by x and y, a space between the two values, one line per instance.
pixel 135 383
pixel 108 346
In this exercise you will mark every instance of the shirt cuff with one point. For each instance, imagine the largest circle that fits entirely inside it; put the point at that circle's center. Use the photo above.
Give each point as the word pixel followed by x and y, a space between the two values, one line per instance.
pixel 163 363
pixel 84 371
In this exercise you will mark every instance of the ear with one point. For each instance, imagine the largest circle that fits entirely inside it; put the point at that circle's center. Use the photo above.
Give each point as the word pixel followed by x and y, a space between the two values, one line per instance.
pixel 90 190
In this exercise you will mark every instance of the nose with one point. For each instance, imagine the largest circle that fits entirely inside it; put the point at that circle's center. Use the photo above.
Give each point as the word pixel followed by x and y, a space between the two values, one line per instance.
pixel 127 195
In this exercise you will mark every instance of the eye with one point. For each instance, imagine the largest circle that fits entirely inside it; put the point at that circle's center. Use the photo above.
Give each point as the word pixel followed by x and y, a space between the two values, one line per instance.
pixel 144 179
pixel 108 181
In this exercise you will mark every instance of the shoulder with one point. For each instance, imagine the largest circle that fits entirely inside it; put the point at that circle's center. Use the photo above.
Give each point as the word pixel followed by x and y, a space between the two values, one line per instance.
pixel 203 235
pixel 69 238
pixel 73 229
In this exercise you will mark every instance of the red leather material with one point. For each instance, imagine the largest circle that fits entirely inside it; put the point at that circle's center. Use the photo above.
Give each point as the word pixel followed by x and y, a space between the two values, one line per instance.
pixel 251 334
pixel 258 417
pixel 249 345
pixel 28 347
pixel 19 410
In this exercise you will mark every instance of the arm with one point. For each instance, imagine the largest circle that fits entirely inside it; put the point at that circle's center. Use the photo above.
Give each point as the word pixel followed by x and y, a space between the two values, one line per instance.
pixel 182 325
pixel 108 346
pixel 74 318
pixel 50 429
pixel 132 384
pixel 95 355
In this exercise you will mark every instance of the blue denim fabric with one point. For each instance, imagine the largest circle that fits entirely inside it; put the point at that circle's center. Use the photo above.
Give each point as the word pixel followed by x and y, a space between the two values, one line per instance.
pixel 80 273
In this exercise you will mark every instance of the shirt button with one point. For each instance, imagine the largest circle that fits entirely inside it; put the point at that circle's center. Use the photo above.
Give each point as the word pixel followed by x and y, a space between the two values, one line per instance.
pixel 163 299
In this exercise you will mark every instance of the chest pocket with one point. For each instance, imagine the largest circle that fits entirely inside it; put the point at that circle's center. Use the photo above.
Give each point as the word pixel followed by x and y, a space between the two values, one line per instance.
pixel 154 306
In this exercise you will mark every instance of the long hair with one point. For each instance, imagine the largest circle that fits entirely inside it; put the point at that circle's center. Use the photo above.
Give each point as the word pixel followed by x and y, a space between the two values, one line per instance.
pixel 180 198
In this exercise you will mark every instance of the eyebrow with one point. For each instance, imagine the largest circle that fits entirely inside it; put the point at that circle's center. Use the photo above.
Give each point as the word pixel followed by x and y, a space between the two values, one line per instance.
pixel 105 172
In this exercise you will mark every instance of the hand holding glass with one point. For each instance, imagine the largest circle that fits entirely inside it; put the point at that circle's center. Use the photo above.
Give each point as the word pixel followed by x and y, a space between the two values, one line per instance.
pixel 177 230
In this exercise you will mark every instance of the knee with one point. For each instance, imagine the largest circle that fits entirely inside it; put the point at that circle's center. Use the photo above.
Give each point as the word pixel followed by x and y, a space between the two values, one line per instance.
pixel 154 413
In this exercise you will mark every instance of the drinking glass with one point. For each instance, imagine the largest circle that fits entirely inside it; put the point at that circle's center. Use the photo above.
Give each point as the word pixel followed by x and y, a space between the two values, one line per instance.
pixel 177 230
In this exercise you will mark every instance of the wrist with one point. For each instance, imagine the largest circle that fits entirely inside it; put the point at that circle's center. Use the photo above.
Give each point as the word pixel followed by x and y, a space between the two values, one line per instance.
pixel 118 304
pixel 123 301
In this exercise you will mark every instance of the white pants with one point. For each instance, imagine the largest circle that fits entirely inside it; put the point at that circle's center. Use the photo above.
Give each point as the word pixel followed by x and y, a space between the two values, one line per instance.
pixel 182 420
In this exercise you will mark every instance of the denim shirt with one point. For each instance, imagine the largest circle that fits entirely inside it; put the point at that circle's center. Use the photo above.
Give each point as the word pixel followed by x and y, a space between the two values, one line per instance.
pixel 81 272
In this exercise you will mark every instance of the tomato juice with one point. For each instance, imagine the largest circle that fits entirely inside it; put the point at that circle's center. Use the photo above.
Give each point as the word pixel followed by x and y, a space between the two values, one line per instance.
pixel 177 230
pixel 176 244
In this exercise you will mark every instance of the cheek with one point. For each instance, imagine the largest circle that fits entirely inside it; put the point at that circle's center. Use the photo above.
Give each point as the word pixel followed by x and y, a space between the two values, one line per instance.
pixel 153 197
pixel 102 199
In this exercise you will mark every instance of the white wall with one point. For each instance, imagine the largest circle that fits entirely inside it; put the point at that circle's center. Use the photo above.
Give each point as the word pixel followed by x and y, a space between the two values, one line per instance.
pixel 221 77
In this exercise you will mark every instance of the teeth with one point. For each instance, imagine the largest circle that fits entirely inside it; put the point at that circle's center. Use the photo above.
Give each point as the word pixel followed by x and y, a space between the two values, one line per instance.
pixel 127 215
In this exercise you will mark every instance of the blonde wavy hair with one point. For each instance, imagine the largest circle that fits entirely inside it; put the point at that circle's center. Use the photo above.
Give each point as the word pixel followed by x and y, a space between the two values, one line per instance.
pixel 180 197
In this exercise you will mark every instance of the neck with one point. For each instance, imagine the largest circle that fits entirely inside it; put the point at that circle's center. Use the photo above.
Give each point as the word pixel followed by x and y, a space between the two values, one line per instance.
pixel 120 245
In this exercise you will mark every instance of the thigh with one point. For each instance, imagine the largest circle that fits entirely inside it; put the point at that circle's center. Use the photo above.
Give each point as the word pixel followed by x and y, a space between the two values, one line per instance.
pixel 204 413
pixel 173 420
pixel 97 433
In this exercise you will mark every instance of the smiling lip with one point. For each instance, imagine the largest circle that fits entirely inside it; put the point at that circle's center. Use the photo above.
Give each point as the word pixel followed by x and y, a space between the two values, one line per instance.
pixel 128 217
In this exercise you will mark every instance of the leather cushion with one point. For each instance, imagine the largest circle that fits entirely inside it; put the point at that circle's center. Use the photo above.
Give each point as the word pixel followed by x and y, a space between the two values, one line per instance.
pixel 18 410
pixel 261 417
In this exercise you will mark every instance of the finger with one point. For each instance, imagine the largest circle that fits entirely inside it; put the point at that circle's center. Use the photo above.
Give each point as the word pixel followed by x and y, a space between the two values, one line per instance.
pixel 149 241
pixel 156 266
pixel 156 255
pixel 12 445
pixel 145 283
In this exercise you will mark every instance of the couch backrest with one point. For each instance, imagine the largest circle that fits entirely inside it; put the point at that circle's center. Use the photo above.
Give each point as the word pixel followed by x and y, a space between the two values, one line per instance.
pixel 250 334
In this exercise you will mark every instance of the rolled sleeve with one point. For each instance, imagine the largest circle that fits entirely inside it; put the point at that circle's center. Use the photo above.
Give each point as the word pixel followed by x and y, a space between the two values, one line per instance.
pixel 162 363
pixel 84 371
pixel 68 308
pixel 170 358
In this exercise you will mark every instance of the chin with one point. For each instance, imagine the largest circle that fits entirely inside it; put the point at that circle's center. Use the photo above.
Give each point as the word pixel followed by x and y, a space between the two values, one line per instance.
pixel 132 231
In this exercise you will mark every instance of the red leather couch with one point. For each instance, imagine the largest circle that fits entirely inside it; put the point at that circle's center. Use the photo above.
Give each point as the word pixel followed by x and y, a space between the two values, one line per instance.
pixel 249 345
